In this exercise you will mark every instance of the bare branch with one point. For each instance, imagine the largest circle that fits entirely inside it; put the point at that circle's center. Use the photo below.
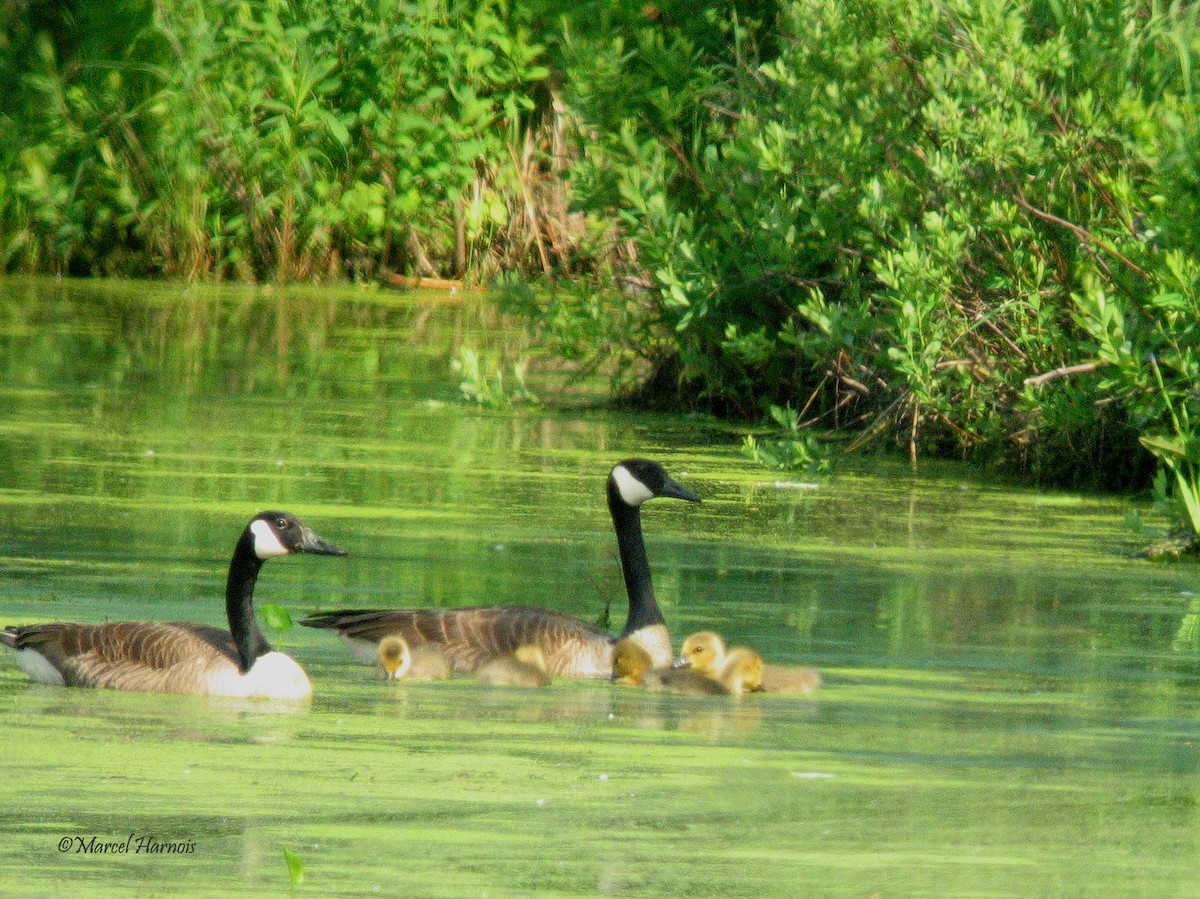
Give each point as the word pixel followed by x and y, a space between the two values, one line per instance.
pixel 1082 233
pixel 1065 371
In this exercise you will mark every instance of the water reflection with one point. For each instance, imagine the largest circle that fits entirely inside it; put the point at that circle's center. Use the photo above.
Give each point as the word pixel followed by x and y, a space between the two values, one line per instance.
pixel 217 719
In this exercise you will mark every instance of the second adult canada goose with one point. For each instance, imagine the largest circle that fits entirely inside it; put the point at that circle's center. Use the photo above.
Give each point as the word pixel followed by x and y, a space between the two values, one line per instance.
pixel 525 667
pixel 471 637
pixel 181 657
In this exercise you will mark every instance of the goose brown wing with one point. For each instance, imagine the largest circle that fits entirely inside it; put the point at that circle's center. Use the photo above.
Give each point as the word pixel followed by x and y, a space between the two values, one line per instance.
pixel 472 636
pixel 129 655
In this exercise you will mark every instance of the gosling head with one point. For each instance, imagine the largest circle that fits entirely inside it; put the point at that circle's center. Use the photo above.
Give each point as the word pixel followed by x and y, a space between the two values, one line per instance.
pixel 631 661
pixel 703 652
pixel 634 481
pixel 273 534
pixel 395 657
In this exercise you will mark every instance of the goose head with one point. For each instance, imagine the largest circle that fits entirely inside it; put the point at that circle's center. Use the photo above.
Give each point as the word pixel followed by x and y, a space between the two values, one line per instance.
pixel 269 535
pixel 274 534
pixel 704 652
pixel 634 481
pixel 395 657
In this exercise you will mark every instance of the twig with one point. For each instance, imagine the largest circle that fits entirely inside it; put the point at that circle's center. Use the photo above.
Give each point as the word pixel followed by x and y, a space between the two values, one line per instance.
pixel 531 212
pixel 1065 371
pixel 723 111
pixel 813 396
pixel 1082 233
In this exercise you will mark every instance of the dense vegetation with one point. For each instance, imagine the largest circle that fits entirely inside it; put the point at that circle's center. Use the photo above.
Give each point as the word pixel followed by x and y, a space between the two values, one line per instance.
pixel 969 228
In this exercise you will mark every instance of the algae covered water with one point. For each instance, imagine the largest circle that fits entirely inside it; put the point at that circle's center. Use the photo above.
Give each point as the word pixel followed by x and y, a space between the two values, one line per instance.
pixel 1010 705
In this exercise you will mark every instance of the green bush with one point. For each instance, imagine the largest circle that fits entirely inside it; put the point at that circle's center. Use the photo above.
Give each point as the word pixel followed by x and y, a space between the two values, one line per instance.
pixel 274 140
pixel 885 220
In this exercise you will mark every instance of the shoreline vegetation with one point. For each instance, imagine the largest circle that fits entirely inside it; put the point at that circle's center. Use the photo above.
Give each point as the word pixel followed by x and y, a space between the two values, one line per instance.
pixel 970 229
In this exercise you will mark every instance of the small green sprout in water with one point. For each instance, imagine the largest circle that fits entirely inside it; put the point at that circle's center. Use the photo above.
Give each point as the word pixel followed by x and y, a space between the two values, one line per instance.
pixel 483 382
pixel 295 866
pixel 789 446
pixel 276 617
pixel 604 619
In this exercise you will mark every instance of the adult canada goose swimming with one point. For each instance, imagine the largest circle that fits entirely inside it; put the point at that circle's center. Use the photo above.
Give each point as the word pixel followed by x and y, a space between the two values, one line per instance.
pixel 524 667
pixel 471 637
pixel 399 662
pixel 632 665
pixel 705 652
pixel 181 657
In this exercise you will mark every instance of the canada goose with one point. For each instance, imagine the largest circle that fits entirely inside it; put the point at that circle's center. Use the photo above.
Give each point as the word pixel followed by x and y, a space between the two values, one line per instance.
pixel 399 662
pixel 524 667
pixel 181 657
pixel 705 652
pixel 471 637
pixel 632 665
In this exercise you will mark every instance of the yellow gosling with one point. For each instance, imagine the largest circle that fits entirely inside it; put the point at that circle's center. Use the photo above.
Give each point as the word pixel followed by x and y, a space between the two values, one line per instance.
pixel 683 682
pixel 524 667
pixel 631 661
pixel 705 653
pixel 742 671
pixel 395 657
pixel 429 663
pixel 800 680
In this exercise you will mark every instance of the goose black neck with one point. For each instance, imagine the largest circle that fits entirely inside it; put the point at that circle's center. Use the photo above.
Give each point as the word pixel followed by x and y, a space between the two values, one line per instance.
pixel 627 520
pixel 248 639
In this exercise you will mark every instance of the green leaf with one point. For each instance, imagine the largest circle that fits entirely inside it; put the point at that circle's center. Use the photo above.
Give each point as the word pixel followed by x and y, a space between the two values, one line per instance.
pixel 336 127
pixel 1172 301
pixel 295 866
pixel 1172 447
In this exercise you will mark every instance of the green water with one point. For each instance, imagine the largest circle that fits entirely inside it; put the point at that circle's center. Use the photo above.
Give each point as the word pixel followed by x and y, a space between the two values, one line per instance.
pixel 1011 701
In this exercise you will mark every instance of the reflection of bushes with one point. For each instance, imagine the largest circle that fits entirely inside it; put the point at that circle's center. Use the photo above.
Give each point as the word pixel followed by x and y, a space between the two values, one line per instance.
pixel 289 343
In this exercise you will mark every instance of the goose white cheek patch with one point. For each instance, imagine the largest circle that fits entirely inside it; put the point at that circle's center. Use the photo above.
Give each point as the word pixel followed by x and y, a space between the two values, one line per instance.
pixel 633 491
pixel 266 542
